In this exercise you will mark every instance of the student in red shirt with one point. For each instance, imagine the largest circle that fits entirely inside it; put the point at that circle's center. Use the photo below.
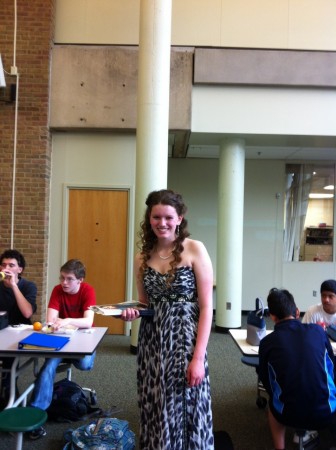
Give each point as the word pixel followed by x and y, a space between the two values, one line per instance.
pixel 69 305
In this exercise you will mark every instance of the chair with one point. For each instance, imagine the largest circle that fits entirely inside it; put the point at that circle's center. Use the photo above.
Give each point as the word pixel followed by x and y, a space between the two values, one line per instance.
pixel 15 398
pixel 301 433
pixel 67 367
pixel 253 361
pixel 21 419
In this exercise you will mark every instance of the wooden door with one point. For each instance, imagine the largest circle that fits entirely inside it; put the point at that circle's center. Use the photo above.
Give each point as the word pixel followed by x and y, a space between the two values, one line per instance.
pixel 97 235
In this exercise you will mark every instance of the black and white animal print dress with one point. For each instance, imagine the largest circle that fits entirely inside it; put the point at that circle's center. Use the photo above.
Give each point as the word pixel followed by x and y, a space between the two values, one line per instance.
pixel 173 415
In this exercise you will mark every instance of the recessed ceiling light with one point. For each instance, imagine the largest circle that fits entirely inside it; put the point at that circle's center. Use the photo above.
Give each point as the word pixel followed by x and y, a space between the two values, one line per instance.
pixel 321 196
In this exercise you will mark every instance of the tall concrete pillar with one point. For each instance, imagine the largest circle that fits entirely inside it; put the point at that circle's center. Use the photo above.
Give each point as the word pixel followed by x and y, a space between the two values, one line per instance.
pixel 230 234
pixel 152 110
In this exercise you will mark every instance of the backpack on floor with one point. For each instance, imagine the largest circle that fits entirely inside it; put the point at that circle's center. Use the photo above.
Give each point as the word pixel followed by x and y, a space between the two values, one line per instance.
pixel 102 434
pixel 70 403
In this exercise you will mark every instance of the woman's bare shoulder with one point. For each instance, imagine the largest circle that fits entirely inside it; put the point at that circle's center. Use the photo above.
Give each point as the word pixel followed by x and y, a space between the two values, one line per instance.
pixel 194 251
pixel 193 245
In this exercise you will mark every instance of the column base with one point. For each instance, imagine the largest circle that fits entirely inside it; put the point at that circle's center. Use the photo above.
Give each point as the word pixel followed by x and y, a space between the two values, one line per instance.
pixel 219 329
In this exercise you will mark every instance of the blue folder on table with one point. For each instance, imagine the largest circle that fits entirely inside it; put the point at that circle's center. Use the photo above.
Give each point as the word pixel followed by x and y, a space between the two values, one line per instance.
pixel 41 341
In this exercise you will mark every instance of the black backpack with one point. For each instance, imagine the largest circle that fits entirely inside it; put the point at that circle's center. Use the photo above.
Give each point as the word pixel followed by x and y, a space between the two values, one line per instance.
pixel 70 403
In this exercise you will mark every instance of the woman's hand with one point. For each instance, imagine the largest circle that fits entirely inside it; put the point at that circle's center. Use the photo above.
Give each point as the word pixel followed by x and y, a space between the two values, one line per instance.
pixel 195 372
pixel 130 314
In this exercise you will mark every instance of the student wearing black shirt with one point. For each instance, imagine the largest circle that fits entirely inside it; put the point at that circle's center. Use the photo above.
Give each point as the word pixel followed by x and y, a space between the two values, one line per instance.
pixel 18 299
pixel 296 367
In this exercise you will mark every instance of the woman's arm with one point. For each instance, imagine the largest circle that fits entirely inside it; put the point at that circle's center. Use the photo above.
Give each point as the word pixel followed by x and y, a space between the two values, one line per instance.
pixel 130 313
pixel 202 267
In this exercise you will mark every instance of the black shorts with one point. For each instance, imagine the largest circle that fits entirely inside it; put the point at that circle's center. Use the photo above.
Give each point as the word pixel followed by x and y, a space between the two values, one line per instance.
pixel 294 419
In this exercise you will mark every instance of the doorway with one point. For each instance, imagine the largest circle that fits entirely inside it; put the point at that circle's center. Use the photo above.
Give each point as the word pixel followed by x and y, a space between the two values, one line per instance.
pixel 97 235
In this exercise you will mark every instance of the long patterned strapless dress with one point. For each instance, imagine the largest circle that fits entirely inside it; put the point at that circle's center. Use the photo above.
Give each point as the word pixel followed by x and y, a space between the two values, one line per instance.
pixel 173 415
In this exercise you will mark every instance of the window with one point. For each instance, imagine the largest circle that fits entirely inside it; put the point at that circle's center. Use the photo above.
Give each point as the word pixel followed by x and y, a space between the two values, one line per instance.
pixel 309 212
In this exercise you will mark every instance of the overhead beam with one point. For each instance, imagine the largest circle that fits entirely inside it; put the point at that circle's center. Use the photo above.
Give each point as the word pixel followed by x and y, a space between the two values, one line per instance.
pixel 95 88
pixel 265 67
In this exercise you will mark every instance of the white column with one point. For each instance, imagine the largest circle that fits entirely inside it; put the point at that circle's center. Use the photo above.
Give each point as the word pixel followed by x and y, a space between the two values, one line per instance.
pixel 230 234
pixel 152 109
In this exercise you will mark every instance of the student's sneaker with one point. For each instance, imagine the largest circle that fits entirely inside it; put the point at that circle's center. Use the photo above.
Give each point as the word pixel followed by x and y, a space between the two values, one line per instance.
pixel 310 436
pixel 37 434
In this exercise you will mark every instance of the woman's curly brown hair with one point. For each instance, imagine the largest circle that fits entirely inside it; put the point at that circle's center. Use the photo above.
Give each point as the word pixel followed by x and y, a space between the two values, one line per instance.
pixel 148 239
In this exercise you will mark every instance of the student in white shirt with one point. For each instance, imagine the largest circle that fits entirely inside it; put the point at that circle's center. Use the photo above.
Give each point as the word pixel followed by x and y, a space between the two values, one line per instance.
pixel 323 313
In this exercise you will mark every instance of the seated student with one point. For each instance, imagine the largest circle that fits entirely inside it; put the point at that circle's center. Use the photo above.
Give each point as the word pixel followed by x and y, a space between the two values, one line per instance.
pixel 68 305
pixel 323 313
pixel 18 299
pixel 296 367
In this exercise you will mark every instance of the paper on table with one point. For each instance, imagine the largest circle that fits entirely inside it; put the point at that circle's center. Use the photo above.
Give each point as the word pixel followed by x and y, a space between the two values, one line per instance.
pixel 67 329
pixel 20 327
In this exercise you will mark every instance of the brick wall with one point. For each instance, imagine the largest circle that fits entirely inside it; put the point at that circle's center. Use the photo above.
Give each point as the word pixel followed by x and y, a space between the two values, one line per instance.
pixel 35 25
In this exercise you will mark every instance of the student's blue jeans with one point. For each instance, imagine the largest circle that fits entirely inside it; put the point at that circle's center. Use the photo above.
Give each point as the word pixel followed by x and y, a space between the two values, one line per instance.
pixel 44 384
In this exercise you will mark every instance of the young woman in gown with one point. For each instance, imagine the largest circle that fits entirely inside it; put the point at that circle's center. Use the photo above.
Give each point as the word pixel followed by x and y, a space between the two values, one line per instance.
pixel 174 276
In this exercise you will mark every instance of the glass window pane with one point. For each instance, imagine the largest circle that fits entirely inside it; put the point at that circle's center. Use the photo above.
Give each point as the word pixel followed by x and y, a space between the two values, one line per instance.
pixel 309 212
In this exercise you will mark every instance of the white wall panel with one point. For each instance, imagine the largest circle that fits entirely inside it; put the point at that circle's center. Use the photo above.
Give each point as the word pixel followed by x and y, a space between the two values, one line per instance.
pixel 85 159
pixel 278 111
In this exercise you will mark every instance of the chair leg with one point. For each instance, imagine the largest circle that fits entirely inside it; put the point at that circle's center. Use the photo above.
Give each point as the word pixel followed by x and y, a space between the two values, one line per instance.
pixel 19 436
pixel 311 442
pixel 300 433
